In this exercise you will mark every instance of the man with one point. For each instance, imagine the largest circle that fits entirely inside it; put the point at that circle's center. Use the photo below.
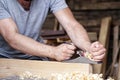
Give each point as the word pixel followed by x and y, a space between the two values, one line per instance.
pixel 20 25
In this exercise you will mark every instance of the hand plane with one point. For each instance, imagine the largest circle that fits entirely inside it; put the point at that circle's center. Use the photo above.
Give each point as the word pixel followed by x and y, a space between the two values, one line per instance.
pixel 80 58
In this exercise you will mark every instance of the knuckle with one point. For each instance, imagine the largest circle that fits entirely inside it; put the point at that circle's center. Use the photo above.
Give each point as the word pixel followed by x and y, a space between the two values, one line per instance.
pixel 101 45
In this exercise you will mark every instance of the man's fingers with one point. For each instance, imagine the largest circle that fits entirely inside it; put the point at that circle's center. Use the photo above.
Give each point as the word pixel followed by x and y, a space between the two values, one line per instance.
pixel 71 46
pixel 100 52
pixel 67 56
pixel 96 46
pixel 69 51
pixel 99 58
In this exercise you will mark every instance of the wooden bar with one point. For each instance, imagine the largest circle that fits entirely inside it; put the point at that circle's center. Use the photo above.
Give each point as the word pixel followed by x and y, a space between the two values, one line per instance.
pixel 104 39
pixel 118 76
pixel 115 39
pixel 115 48
pixel 10 67
pixel 97 6
pixel 50 34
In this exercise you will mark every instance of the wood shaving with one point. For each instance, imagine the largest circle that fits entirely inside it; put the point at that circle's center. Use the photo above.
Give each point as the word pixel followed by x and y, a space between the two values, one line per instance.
pixel 29 76
pixel 76 76
pixel 88 55
pixel 64 76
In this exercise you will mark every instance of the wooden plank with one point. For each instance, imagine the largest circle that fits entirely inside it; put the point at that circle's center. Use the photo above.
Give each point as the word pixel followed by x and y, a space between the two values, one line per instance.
pixel 10 67
pixel 118 76
pixel 93 36
pixel 115 47
pixel 93 18
pixel 56 24
pixel 115 39
pixel 88 18
pixel 104 39
pixel 96 6
pixel 50 34
pixel 45 33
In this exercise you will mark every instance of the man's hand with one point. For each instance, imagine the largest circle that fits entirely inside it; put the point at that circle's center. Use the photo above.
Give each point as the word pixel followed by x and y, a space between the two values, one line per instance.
pixel 64 51
pixel 98 51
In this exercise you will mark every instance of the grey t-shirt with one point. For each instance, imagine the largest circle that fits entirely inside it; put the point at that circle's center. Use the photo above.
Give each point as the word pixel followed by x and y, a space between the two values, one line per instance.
pixel 29 23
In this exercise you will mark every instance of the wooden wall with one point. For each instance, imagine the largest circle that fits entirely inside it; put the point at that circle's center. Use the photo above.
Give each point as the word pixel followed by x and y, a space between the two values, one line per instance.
pixel 90 12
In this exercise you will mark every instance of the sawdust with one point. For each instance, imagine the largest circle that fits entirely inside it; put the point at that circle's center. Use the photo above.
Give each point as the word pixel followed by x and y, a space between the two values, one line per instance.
pixel 19 78
pixel 58 76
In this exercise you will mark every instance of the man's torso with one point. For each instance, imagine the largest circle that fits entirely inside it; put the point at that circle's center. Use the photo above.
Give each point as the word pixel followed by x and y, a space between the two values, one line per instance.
pixel 29 22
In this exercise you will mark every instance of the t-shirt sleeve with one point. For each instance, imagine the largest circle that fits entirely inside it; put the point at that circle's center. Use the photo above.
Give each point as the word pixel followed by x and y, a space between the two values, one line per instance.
pixel 56 5
pixel 3 11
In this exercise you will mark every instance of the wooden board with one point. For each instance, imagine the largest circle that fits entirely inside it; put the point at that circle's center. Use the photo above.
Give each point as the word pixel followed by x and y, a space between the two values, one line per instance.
pixel 95 6
pixel 118 76
pixel 61 34
pixel 10 67
pixel 104 39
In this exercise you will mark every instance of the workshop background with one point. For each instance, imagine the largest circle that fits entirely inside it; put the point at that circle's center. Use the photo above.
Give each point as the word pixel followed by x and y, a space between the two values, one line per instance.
pixel 101 18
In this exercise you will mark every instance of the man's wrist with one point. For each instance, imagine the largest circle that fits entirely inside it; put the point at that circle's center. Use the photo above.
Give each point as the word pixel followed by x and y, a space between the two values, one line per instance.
pixel 51 53
pixel 87 47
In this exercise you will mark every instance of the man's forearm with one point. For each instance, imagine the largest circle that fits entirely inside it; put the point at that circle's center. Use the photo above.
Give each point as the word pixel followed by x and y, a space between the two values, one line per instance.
pixel 79 36
pixel 30 46
pixel 75 31
pixel 10 32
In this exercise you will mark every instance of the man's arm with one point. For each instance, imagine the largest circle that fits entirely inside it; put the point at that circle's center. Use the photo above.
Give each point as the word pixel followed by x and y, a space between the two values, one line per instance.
pixel 78 34
pixel 75 30
pixel 10 32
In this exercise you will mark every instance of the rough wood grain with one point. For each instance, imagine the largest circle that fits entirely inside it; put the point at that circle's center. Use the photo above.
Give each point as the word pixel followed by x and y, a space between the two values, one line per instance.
pixel 118 76
pixel 95 6
pixel 50 34
pixel 115 49
pixel 10 67
pixel 104 39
